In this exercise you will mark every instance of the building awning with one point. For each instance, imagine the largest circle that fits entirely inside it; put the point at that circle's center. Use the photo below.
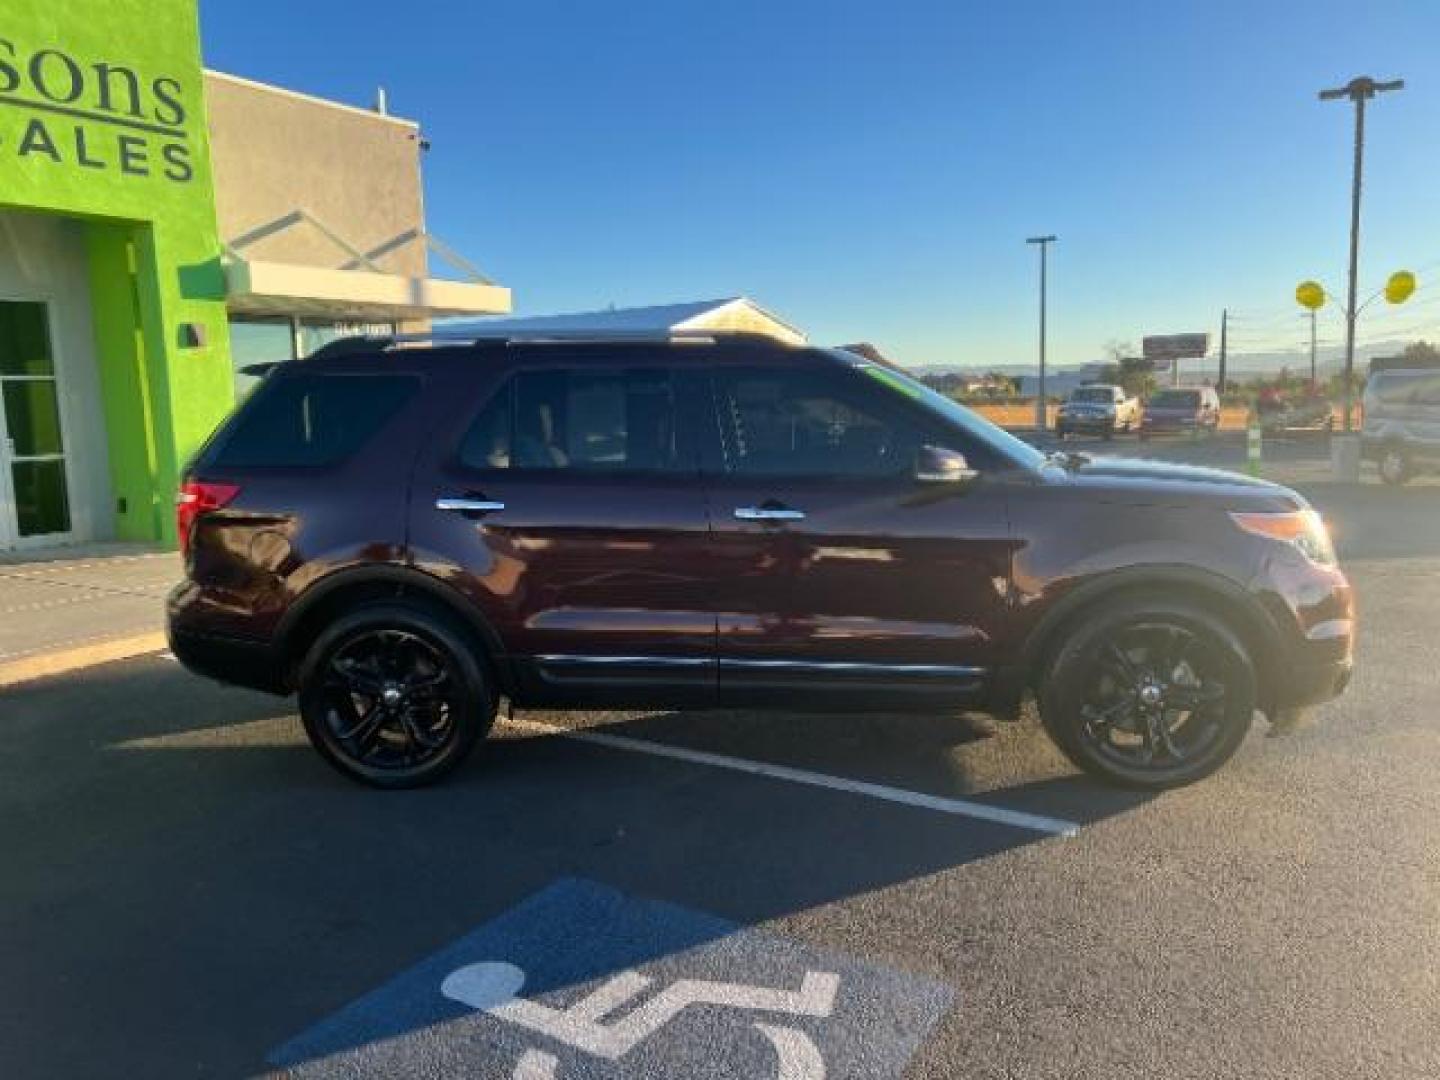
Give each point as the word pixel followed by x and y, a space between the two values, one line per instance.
pixel 359 290
pixel 269 288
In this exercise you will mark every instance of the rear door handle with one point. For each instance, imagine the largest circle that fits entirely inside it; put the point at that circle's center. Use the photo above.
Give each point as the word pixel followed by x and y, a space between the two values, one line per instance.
pixel 768 513
pixel 469 506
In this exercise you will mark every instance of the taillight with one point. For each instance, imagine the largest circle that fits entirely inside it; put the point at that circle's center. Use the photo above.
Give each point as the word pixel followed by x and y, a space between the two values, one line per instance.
pixel 197 497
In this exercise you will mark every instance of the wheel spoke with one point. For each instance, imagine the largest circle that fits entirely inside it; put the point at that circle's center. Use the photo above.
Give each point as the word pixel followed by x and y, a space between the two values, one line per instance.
pixel 1177 644
pixel 1129 673
pixel 355 678
pixel 360 724
pixel 1163 736
pixel 1124 709
pixel 1193 698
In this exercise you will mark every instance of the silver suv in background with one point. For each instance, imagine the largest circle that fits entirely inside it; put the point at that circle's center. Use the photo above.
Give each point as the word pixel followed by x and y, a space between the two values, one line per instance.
pixel 1099 409
pixel 1402 422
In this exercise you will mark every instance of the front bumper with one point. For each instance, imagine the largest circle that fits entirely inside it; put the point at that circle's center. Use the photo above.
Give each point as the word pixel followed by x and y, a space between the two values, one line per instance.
pixel 1170 426
pixel 1314 609
pixel 1085 423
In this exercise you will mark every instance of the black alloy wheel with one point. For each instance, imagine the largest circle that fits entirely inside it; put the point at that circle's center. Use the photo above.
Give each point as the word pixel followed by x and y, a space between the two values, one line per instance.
pixel 394 696
pixel 1150 695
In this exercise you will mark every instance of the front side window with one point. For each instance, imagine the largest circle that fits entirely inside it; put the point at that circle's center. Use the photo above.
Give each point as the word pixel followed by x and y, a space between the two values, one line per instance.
pixel 801 423
pixel 574 419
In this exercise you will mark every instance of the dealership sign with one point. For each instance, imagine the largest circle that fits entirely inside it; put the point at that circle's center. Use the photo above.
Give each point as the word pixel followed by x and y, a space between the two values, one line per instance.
pixel 103 115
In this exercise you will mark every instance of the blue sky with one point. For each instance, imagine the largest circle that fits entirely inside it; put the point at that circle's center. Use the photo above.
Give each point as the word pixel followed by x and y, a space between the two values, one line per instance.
pixel 870 171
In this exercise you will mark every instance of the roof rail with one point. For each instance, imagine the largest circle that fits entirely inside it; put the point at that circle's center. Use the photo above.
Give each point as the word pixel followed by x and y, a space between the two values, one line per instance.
pixel 370 343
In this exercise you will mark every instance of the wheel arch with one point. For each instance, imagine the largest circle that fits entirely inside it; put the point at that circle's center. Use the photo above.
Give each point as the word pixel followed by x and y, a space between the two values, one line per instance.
pixel 344 590
pixel 1220 596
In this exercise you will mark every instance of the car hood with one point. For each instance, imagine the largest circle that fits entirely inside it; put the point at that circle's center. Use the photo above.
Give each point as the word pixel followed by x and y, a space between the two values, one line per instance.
pixel 1162 483
pixel 1173 413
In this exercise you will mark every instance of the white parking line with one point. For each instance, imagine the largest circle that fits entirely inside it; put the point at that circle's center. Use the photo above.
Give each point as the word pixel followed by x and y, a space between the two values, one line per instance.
pixel 1000 815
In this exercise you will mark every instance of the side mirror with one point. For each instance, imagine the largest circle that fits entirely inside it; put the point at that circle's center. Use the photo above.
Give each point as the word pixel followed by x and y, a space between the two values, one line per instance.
pixel 937 465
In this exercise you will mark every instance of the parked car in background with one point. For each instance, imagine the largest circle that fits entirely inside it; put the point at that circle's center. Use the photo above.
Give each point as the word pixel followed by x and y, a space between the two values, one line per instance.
pixel 1401 431
pixel 403 535
pixel 1098 409
pixel 1193 410
pixel 1278 413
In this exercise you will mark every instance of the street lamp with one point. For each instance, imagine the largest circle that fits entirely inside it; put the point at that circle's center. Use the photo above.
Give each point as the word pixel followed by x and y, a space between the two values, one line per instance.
pixel 1311 296
pixel 1041 419
pixel 1359 90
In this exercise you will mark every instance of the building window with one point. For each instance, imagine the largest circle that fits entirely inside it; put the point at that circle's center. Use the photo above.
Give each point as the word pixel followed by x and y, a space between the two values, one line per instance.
pixel 255 340
pixel 258 341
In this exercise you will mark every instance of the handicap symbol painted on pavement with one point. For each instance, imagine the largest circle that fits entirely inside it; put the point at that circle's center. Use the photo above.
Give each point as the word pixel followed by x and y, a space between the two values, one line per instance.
pixel 582 981
pixel 492 988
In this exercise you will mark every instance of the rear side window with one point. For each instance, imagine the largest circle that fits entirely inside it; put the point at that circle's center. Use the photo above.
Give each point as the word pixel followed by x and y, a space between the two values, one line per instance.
pixel 312 420
pixel 570 419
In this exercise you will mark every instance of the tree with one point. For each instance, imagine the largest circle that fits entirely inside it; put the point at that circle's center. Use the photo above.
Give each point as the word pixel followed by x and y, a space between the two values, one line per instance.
pixel 1124 368
pixel 1422 352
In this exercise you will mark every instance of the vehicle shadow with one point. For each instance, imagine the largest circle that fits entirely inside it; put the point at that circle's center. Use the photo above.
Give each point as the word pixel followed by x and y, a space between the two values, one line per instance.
pixel 139 797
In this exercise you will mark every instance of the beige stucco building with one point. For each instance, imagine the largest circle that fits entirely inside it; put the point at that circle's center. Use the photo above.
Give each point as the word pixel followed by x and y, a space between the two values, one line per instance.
pixel 322 219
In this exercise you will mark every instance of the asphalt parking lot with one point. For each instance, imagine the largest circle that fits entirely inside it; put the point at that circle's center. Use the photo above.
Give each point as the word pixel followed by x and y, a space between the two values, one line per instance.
pixel 189 891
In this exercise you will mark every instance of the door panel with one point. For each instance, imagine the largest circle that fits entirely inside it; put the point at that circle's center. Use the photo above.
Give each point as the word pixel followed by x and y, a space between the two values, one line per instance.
pixel 873 578
pixel 586 544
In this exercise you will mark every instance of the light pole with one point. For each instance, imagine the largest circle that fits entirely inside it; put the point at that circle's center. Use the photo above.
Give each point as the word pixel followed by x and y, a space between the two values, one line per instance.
pixel 1041 419
pixel 1359 90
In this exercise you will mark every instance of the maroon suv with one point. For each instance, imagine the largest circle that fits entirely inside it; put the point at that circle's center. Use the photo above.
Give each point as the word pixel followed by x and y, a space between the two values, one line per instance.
pixel 403 533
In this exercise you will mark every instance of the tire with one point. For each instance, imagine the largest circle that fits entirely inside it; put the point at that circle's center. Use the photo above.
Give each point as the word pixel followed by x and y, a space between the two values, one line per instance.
pixel 446 699
pixel 1394 465
pixel 1091 702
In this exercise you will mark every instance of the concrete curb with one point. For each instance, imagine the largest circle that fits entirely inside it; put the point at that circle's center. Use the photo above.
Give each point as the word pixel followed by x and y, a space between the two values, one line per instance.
pixel 60 661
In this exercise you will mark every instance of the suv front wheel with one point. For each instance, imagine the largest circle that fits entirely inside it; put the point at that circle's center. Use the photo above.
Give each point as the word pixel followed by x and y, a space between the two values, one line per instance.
pixel 394 696
pixel 1149 694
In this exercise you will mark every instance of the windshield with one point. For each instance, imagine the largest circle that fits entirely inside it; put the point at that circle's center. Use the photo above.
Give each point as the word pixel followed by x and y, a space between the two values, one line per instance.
pixel 951 411
pixel 1093 393
pixel 1175 399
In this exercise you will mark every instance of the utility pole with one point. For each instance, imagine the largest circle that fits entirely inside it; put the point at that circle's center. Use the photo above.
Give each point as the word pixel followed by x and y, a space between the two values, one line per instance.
pixel 1314 382
pixel 1359 90
pixel 1224 325
pixel 1041 417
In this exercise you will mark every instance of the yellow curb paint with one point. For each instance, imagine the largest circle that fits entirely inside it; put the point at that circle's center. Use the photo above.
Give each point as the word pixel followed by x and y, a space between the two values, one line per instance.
pixel 60 661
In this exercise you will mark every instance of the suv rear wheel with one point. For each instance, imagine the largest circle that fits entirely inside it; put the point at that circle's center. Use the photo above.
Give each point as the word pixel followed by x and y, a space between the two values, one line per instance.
pixel 1149 694
pixel 394 696
pixel 1394 466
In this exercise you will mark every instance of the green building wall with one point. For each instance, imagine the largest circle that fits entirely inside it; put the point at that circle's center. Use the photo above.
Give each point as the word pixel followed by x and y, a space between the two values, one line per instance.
pixel 103 119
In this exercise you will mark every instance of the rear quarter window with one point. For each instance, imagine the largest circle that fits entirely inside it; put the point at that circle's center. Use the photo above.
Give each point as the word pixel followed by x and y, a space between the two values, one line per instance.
pixel 311 420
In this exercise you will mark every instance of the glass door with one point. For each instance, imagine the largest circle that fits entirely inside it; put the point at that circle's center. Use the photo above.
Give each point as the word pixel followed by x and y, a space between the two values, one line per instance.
pixel 34 495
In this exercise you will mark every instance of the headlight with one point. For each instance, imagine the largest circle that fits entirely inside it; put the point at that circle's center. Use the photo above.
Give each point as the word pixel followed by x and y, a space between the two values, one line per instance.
pixel 1303 530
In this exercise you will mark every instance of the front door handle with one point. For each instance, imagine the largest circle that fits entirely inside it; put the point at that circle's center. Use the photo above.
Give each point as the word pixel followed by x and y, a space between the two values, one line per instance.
pixel 768 513
pixel 469 506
